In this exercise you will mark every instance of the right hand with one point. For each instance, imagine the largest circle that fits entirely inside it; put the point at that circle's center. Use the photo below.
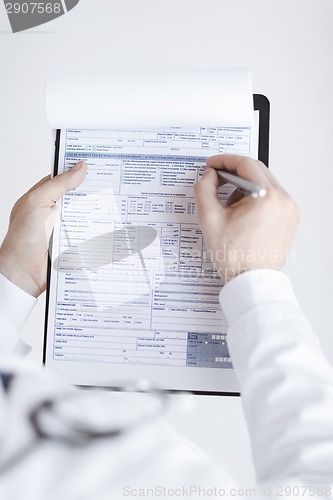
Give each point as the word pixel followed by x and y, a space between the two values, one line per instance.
pixel 248 233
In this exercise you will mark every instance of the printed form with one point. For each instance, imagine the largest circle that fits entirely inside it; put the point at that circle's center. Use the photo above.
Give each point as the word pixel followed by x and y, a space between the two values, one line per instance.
pixel 133 281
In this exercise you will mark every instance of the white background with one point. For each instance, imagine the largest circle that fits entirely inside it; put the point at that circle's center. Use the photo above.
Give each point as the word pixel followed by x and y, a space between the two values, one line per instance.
pixel 288 44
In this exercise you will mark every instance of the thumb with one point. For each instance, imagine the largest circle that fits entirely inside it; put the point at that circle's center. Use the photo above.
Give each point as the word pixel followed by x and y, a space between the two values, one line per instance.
pixel 54 189
pixel 206 195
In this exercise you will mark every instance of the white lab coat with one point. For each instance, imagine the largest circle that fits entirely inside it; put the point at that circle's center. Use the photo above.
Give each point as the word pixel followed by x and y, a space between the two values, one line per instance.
pixel 287 394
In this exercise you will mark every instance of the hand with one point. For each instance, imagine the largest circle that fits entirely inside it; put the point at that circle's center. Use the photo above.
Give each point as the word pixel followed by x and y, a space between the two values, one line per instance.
pixel 23 254
pixel 247 233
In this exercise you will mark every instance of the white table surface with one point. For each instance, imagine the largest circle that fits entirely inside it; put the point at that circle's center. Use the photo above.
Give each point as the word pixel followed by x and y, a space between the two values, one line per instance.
pixel 289 46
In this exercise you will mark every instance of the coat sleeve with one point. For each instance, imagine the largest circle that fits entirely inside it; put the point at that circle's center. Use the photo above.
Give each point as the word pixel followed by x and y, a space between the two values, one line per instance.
pixel 286 382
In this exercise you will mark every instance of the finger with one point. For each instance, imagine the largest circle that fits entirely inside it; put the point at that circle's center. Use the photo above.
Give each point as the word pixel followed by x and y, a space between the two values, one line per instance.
pixel 17 205
pixel 206 194
pixel 55 188
pixel 244 167
pixel 39 183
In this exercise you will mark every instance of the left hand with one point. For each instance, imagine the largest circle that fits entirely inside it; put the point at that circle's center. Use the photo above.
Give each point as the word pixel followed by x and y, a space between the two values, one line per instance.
pixel 23 254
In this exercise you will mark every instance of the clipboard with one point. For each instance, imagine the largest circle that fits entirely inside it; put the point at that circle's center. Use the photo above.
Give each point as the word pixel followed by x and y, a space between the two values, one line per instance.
pixel 85 358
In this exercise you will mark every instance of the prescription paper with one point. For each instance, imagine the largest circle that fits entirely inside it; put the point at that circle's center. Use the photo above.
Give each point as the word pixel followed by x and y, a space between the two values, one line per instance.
pixel 133 291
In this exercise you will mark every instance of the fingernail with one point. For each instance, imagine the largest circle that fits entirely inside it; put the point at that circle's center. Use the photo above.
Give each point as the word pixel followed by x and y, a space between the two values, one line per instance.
pixel 79 165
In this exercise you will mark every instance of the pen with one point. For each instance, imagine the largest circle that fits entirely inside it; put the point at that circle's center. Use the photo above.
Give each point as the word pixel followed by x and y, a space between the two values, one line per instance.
pixel 246 187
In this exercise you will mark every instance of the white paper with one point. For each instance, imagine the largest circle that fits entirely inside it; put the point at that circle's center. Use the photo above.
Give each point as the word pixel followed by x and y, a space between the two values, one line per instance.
pixel 133 293
pixel 150 99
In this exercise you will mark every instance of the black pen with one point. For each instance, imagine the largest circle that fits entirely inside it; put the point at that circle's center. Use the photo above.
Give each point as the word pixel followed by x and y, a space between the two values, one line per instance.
pixel 246 187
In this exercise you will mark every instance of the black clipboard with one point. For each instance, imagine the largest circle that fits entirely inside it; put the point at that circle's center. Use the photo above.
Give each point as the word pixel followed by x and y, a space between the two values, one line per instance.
pixel 262 106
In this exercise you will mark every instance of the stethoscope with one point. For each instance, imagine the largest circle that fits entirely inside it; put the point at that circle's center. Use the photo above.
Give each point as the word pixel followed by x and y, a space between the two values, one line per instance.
pixel 49 421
